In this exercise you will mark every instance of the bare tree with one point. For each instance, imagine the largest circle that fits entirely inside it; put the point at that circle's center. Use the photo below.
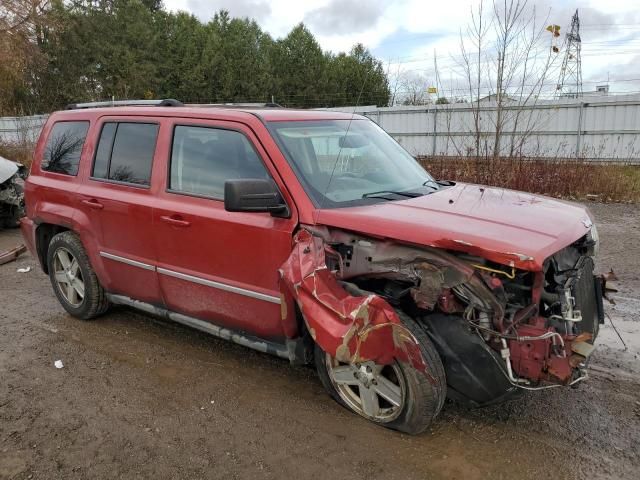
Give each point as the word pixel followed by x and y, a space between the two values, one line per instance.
pixel 535 60
pixel 414 89
pixel 18 14
pixel 23 27
pixel 506 61
pixel 472 48
pixel 394 83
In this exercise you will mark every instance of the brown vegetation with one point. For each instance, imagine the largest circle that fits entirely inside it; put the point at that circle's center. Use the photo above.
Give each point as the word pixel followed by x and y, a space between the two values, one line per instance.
pixel 18 152
pixel 24 26
pixel 569 179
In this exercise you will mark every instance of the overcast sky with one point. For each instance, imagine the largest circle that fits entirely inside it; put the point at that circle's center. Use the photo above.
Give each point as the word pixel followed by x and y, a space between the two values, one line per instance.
pixel 404 33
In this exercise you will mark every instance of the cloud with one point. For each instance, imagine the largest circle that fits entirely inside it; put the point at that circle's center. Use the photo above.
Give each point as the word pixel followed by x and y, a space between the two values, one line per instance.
pixel 406 32
pixel 205 9
pixel 345 16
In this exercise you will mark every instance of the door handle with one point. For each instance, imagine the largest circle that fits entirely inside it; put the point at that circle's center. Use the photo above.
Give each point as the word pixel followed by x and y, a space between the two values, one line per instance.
pixel 175 220
pixel 93 203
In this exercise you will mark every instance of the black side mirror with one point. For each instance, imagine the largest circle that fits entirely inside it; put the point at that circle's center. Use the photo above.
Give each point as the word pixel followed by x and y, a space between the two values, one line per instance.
pixel 254 195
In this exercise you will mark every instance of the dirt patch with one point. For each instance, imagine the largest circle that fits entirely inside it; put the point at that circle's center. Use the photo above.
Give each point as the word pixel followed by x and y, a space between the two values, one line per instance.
pixel 139 397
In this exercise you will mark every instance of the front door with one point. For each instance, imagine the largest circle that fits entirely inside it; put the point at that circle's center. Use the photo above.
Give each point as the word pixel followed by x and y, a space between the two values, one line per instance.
pixel 212 264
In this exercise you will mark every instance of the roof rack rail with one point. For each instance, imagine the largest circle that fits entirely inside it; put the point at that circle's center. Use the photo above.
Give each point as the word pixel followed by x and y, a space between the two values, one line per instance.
pixel 167 102
pixel 236 105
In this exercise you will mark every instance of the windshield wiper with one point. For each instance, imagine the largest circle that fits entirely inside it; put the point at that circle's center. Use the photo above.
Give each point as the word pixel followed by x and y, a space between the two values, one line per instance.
pixel 382 194
pixel 433 184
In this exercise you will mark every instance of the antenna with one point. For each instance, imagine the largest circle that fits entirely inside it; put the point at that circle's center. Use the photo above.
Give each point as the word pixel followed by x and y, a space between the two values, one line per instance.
pixel 570 82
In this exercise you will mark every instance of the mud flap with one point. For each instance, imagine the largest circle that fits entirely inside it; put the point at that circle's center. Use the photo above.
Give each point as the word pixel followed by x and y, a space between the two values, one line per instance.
pixel 351 328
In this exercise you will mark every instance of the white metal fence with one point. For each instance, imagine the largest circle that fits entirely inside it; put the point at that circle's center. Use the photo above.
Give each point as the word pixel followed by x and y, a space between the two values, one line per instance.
pixel 21 129
pixel 598 128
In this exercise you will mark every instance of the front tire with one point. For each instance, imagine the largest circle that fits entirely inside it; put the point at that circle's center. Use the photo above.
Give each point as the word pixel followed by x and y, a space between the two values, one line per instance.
pixel 396 396
pixel 73 279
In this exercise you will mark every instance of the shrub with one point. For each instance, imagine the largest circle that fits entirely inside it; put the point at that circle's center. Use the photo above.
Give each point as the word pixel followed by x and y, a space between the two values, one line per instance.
pixel 18 152
pixel 569 179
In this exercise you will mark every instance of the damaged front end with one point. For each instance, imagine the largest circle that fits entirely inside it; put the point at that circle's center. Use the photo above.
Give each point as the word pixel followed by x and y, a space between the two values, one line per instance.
pixel 496 328
pixel 12 177
pixel 351 325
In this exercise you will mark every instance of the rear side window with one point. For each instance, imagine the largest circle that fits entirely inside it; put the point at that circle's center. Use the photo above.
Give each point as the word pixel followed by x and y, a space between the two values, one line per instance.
pixel 125 152
pixel 64 146
pixel 203 158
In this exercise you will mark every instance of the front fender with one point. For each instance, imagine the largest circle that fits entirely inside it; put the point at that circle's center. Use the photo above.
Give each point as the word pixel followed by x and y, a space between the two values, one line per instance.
pixel 351 328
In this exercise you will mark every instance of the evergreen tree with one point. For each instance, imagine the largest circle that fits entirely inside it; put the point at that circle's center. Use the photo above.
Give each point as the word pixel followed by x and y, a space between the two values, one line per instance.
pixel 90 50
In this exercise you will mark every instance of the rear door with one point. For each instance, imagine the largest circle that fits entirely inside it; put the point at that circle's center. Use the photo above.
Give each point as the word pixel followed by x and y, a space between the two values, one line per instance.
pixel 213 264
pixel 117 198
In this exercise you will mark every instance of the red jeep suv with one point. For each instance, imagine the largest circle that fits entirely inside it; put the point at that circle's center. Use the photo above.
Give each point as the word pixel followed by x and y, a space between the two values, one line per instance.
pixel 316 237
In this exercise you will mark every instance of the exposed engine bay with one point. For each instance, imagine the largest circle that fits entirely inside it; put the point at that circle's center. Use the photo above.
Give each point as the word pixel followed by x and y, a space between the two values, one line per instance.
pixel 12 177
pixel 498 329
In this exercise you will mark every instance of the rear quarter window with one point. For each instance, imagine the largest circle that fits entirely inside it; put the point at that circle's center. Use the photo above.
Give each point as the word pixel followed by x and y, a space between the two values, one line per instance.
pixel 64 146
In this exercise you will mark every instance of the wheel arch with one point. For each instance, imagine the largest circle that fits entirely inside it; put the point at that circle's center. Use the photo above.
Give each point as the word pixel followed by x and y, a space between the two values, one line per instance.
pixel 44 233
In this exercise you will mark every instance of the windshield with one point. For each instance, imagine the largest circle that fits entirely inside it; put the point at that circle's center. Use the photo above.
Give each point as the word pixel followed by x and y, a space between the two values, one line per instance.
pixel 344 163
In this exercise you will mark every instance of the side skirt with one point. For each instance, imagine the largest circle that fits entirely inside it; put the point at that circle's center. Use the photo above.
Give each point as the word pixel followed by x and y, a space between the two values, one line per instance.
pixel 289 351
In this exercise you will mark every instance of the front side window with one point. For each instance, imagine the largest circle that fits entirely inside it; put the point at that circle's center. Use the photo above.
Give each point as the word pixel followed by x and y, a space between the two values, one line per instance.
pixel 346 163
pixel 64 146
pixel 125 152
pixel 204 158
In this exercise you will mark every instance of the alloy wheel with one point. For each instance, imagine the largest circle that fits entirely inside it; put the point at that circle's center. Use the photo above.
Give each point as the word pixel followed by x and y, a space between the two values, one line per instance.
pixel 68 276
pixel 374 391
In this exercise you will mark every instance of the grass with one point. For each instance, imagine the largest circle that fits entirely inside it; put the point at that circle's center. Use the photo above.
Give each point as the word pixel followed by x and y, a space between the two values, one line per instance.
pixel 568 179
pixel 18 152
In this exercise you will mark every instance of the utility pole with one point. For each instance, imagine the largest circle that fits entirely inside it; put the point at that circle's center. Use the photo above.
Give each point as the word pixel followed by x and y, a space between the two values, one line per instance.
pixel 570 81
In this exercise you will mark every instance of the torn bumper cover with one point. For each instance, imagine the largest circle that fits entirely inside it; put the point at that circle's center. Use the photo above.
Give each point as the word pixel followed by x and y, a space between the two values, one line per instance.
pixel 350 328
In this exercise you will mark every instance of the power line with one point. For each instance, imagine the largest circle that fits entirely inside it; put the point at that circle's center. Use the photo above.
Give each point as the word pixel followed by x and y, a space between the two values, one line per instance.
pixel 323 96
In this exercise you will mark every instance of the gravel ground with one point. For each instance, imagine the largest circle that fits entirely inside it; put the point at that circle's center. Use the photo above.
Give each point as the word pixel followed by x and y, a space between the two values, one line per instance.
pixel 139 397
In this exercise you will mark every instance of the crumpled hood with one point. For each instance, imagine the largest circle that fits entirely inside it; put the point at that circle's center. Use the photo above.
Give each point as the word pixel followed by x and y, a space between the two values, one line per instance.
pixel 508 227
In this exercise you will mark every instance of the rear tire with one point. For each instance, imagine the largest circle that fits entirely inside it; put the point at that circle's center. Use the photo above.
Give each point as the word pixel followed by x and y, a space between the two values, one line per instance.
pixel 73 279
pixel 12 217
pixel 408 400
